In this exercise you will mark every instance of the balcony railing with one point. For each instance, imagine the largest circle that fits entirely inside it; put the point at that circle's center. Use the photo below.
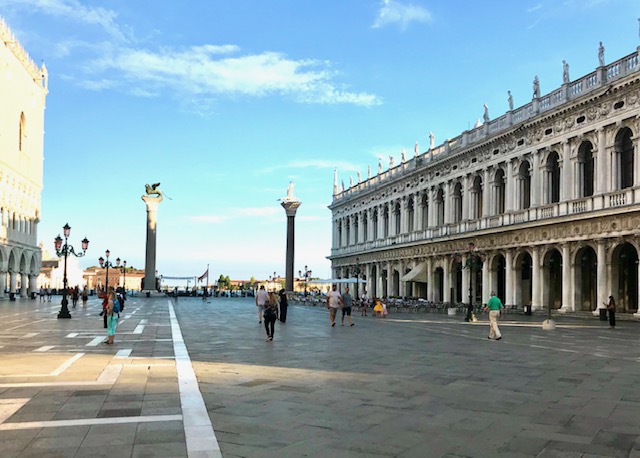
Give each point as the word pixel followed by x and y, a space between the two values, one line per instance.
pixel 512 218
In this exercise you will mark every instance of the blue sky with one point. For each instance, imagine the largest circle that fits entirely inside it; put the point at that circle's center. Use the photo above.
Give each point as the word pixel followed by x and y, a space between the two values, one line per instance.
pixel 224 102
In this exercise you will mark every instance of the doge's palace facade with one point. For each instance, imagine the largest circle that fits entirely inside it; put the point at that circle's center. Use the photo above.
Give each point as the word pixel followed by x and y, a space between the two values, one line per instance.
pixel 544 199
pixel 23 90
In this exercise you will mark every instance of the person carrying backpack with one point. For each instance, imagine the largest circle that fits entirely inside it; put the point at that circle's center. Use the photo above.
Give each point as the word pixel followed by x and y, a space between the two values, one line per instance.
pixel 113 314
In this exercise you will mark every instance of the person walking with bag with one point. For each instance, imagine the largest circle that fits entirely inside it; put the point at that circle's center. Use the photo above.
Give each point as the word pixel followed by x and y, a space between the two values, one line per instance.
pixel 113 314
pixel 611 308
pixel 494 307
pixel 270 315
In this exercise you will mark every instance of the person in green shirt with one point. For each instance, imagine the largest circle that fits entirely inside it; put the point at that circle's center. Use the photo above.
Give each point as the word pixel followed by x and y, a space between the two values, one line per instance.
pixel 494 307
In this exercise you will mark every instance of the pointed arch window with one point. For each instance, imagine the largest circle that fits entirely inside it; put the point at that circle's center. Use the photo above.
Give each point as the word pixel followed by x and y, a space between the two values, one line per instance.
pixel 22 132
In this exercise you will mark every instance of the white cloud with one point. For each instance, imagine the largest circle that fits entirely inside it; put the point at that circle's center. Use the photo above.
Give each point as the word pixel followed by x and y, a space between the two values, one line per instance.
pixel 534 8
pixel 393 12
pixel 210 70
pixel 311 163
pixel 74 10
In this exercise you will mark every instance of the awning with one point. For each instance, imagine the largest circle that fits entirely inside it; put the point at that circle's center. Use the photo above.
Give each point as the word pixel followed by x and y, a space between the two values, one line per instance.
pixel 336 280
pixel 418 274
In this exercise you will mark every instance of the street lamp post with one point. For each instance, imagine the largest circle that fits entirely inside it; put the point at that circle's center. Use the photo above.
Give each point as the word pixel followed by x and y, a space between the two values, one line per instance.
pixel 474 262
pixel 357 272
pixel 66 250
pixel 124 275
pixel 107 264
pixel 306 274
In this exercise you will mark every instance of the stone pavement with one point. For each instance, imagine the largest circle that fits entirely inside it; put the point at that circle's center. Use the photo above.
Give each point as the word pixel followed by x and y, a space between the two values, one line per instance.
pixel 194 378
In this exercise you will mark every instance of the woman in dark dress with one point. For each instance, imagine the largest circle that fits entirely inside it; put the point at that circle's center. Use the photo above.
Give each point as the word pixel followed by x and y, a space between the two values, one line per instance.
pixel 284 303
pixel 611 308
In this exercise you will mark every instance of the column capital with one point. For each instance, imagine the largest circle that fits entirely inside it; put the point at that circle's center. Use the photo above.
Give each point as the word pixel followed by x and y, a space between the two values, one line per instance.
pixel 292 206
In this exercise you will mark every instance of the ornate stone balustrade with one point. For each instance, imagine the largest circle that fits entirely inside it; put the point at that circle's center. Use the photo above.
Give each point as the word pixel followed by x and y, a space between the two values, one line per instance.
pixel 578 88
pixel 511 219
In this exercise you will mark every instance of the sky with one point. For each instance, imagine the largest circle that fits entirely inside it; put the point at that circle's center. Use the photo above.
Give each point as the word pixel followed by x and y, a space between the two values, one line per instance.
pixel 225 102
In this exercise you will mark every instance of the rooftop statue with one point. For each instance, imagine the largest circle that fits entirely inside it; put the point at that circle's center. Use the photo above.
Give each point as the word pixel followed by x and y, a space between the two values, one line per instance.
pixel 359 177
pixel 601 55
pixel 486 113
pixel 390 162
pixel 536 87
pixel 404 155
pixel 432 140
pixel 417 149
pixel 510 101
pixel 565 71
pixel 379 165
pixel 368 171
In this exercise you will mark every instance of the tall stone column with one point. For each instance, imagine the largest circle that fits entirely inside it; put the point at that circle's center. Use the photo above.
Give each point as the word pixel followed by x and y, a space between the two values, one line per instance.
pixel 150 257
pixel 24 284
pixel 290 203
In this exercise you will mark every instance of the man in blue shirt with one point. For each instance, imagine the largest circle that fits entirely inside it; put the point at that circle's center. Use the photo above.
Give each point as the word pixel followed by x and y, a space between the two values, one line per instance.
pixel 346 306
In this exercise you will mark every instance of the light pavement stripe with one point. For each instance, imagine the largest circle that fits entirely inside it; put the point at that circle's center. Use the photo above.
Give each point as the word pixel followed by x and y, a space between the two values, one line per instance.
pixel 144 321
pixel 124 353
pixel 87 422
pixel 10 406
pixel 138 329
pixel 110 374
pixel 45 348
pixel 29 335
pixel 63 367
pixel 198 430
pixel 95 341
pixel 71 335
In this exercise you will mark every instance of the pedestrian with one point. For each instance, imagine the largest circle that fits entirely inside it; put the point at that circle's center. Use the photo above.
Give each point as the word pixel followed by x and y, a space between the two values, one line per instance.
pixel 175 293
pixel 41 293
pixel 105 303
pixel 364 304
pixel 48 294
pixel 334 302
pixel 284 305
pixel 270 315
pixel 494 307
pixel 121 296
pixel 377 307
pixel 611 308
pixel 262 297
pixel 346 306
pixel 112 313
pixel 85 297
pixel 75 295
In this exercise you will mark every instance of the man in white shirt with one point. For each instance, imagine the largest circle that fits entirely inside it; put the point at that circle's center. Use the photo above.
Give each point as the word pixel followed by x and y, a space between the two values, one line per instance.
pixel 334 302
pixel 261 299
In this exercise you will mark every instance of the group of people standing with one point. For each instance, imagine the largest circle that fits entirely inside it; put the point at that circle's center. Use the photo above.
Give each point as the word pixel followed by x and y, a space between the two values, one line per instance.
pixel 271 307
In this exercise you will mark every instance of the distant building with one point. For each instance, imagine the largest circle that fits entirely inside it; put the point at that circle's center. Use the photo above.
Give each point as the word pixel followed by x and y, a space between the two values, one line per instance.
pixel 23 90
pixel 540 205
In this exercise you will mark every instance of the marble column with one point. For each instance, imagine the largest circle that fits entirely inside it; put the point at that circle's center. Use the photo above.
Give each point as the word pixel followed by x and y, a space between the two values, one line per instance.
pixel 536 280
pixel 33 279
pixel 567 304
pixel 290 208
pixel 13 281
pixel 602 282
pixel 24 283
pixel 152 203
pixel 3 283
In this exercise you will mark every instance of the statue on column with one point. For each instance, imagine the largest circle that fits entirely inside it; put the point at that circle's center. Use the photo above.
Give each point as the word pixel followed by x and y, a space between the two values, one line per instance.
pixel 289 197
pixel 152 190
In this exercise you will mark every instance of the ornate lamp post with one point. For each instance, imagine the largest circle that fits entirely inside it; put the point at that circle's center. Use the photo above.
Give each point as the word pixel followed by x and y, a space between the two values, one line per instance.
pixel 107 264
pixel 123 270
pixel 66 250
pixel 473 263
pixel 306 274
